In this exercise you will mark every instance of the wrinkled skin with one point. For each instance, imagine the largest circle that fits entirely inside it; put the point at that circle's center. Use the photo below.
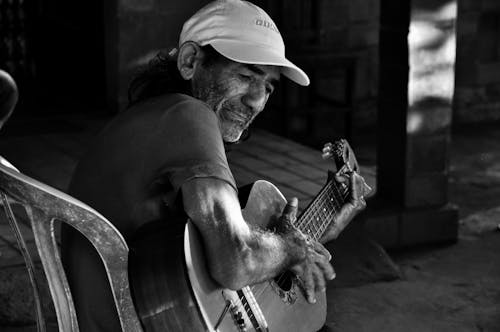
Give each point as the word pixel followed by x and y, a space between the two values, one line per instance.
pixel 238 93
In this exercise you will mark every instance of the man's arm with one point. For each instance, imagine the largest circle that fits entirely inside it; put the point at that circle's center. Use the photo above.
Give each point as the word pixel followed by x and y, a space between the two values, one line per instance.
pixel 240 254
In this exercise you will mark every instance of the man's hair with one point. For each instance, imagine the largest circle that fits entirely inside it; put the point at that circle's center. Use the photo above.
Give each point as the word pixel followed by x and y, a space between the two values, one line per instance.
pixel 161 76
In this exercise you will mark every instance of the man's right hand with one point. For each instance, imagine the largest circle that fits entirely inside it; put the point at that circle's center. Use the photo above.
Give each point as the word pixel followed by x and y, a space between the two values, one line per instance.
pixel 314 269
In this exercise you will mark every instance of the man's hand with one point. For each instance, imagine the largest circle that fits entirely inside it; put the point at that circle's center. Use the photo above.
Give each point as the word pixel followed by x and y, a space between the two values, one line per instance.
pixel 358 189
pixel 314 268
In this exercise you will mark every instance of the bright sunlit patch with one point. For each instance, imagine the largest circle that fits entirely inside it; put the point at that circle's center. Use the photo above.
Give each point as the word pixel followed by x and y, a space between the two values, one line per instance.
pixel 414 122
pixel 432 49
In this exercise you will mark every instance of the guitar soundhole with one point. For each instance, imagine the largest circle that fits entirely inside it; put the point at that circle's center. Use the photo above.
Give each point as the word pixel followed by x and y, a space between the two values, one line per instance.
pixel 284 286
pixel 285 281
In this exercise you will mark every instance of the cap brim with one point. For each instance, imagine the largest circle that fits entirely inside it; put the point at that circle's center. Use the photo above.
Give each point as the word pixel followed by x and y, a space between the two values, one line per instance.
pixel 255 54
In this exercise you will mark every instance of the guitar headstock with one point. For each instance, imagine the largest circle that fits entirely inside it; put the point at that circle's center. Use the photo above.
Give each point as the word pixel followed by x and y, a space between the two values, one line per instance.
pixel 342 154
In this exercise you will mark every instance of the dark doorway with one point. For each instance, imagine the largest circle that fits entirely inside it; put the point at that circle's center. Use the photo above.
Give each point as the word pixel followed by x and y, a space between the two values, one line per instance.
pixel 54 49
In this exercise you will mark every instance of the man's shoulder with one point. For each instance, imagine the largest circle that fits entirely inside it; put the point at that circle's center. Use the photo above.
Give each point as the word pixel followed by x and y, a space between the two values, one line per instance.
pixel 171 104
pixel 178 100
pixel 180 106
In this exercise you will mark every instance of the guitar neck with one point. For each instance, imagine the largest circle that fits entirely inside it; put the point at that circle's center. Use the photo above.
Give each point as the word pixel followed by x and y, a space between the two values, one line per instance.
pixel 322 210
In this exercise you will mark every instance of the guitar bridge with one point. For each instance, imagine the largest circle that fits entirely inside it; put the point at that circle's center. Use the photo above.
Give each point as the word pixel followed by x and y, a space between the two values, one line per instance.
pixel 252 309
pixel 244 310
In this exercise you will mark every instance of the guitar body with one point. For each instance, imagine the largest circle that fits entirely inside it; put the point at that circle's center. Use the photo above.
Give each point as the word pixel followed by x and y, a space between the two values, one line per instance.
pixel 173 290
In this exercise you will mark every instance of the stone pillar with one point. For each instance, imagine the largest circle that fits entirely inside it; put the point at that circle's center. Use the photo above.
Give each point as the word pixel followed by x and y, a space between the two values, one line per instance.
pixel 417 57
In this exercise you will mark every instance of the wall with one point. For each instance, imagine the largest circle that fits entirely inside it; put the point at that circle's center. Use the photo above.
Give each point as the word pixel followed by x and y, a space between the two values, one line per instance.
pixel 323 36
pixel 477 93
pixel 135 31
pixel 54 49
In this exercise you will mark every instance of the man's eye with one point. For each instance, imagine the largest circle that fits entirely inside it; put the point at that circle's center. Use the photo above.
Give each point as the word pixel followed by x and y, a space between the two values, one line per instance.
pixel 245 77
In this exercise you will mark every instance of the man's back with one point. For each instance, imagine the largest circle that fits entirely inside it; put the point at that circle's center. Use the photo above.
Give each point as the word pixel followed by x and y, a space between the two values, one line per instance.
pixel 135 167
pixel 131 174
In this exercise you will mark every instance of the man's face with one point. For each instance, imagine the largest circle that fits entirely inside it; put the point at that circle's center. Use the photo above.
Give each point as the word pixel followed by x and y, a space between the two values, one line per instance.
pixel 236 92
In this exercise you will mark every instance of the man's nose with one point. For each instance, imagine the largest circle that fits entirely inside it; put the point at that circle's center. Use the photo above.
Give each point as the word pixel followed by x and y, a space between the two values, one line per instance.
pixel 256 97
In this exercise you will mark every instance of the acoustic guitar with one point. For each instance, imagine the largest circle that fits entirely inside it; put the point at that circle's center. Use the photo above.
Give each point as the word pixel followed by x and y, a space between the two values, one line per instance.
pixel 173 290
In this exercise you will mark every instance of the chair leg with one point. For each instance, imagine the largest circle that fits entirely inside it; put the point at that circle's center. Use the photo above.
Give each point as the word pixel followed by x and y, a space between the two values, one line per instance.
pixel 40 319
pixel 43 229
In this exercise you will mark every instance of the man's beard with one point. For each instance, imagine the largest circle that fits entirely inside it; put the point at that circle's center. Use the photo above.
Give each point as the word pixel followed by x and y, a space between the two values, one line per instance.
pixel 233 120
pixel 233 116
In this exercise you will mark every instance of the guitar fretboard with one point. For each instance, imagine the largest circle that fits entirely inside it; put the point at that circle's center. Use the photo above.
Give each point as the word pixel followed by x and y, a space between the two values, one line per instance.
pixel 323 208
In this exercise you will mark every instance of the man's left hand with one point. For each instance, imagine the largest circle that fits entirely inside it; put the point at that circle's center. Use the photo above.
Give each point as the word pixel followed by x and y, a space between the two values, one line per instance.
pixel 358 189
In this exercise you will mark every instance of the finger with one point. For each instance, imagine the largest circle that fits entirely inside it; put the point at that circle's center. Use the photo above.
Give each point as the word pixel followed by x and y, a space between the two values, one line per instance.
pixel 325 266
pixel 326 269
pixel 290 210
pixel 309 288
pixel 357 184
pixel 322 251
pixel 319 281
pixel 342 177
pixel 306 282
pixel 367 189
pixel 359 190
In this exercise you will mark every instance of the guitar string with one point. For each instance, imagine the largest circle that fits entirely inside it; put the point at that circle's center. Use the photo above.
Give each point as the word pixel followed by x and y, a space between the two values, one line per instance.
pixel 258 295
pixel 334 212
pixel 306 218
pixel 299 225
pixel 314 209
pixel 330 212
pixel 304 221
pixel 317 206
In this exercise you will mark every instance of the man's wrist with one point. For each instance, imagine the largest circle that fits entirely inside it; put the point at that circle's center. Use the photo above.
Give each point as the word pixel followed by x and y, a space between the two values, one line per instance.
pixel 295 241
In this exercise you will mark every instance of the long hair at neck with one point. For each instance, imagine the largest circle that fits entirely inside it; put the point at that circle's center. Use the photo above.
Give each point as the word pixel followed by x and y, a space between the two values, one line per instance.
pixel 161 76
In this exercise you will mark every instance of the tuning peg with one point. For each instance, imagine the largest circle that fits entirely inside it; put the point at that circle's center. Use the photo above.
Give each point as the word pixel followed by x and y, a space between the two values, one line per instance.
pixel 327 151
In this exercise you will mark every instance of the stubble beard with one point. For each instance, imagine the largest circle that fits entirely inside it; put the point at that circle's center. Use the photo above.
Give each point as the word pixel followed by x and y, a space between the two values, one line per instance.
pixel 233 119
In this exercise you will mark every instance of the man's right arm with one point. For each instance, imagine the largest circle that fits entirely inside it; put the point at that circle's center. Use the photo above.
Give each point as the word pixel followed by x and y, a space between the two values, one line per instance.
pixel 240 254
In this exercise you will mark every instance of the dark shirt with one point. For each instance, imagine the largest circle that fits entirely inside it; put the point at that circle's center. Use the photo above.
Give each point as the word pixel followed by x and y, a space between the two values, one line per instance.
pixel 135 168
pixel 131 174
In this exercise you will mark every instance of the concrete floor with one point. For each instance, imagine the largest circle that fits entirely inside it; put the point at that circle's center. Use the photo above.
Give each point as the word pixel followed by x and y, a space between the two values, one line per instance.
pixel 448 287
pixel 440 288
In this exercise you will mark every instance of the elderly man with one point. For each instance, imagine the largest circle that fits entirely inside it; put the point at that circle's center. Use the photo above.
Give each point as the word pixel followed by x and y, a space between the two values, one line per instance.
pixel 170 144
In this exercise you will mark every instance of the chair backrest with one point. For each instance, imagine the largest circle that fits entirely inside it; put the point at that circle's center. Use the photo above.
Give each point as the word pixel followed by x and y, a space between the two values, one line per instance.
pixel 44 205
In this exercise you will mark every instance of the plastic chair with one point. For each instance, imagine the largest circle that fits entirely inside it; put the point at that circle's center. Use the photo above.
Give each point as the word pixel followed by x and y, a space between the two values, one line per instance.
pixel 44 205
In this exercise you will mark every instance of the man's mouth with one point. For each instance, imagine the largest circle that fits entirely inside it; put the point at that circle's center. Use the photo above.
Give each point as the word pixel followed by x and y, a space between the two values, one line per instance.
pixel 237 117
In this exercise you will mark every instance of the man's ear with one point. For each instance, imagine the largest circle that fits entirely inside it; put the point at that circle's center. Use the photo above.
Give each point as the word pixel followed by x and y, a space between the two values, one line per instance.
pixel 189 57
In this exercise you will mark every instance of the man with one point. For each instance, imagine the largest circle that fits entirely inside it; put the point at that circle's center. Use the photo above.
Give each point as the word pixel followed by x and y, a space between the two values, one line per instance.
pixel 168 146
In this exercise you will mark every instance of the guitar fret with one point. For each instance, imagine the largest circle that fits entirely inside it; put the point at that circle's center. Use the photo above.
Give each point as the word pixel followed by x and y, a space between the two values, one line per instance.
pixel 322 210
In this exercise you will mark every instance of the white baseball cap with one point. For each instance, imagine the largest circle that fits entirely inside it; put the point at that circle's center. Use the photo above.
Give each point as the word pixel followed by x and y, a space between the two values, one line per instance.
pixel 242 32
